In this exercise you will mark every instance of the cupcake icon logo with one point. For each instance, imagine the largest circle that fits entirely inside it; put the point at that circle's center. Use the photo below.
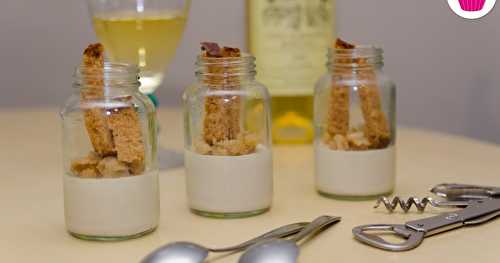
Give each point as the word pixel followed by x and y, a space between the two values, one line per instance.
pixel 471 9
pixel 472 5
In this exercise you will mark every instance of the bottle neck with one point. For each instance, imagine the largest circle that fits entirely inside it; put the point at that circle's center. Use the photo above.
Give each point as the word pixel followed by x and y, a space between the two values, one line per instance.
pixel 359 59
pixel 225 71
pixel 111 78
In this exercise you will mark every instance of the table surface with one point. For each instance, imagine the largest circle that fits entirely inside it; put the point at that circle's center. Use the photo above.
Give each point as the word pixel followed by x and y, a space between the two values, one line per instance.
pixel 32 222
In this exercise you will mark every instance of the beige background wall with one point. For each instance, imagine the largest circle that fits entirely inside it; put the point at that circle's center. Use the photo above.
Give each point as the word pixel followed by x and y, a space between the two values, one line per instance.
pixel 447 69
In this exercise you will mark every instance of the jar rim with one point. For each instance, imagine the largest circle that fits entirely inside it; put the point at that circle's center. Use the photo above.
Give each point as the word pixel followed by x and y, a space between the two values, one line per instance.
pixel 110 72
pixel 242 66
pixel 360 51
pixel 113 67
pixel 245 58
pixel 362 56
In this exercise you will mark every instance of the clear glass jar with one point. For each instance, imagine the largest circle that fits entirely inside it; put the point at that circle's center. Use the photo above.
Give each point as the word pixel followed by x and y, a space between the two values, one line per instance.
pixel 355 118
pixel 110 155
pixel 228 155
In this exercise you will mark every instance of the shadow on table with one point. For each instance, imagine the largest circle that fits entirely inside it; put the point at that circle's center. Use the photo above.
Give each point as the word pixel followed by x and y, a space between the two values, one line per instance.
pixel 169 159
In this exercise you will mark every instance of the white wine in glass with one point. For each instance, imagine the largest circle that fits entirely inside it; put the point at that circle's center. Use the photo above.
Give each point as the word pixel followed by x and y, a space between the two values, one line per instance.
pixel 141 32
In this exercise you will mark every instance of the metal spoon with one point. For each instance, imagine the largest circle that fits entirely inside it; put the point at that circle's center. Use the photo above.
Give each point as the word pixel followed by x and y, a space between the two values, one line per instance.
pixel 282 250
pixel 186 252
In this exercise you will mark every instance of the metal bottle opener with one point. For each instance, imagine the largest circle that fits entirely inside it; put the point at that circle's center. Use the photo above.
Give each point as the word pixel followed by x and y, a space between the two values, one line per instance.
pixel 483 204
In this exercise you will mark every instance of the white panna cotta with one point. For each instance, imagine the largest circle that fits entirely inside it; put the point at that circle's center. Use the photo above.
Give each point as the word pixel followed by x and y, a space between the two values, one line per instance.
pixel 354 173
pixel 111 207
pixel 229 184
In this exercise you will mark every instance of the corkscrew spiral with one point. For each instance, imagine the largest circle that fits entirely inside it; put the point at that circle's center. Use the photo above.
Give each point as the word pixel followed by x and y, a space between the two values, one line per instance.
pixel 406 205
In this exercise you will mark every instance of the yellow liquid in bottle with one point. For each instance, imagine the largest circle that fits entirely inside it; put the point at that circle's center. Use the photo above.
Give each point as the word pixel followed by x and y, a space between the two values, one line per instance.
pixel 292 119
pixel 148 40
pixel 290 39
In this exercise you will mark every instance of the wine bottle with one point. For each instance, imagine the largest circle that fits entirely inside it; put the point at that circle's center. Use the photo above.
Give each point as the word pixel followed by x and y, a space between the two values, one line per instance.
pixel 290 39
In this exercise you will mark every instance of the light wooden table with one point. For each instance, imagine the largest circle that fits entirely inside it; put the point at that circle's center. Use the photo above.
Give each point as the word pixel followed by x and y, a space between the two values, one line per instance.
pixel 32 224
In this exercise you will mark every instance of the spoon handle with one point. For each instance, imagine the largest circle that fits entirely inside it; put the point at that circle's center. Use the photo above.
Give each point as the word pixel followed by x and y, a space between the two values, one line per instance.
pixel 280 232
pixel 314 226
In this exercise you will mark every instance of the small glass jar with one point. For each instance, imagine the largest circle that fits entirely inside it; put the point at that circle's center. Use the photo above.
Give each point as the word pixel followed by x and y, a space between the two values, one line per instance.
pixel 110 156
pixel 355 118
pixel 228 157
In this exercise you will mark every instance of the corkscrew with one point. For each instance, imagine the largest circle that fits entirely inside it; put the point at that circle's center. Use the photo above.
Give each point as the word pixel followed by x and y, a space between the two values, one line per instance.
pixel 420 204
pixel 482 204
pixel 456 195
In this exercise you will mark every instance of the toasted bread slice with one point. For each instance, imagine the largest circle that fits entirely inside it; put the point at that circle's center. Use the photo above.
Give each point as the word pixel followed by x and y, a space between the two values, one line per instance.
pixel 112 131
pixel 222 113
pixel 376 127
pixel 127 135
pixel 93 90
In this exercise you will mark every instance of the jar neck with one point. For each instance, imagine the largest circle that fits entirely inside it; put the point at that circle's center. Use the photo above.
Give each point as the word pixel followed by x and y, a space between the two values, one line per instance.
pixel 111 78
pixel 225 71
pixel 359 59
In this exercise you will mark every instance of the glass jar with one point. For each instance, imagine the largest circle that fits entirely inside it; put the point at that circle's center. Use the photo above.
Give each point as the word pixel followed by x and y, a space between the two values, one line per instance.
pixel 355 118
pixel 110 155
pixel 228 155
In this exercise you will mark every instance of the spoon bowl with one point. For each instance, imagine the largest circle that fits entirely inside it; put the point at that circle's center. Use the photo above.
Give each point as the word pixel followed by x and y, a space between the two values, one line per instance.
pixel 276 251
pixel 284 251
pixel 185 252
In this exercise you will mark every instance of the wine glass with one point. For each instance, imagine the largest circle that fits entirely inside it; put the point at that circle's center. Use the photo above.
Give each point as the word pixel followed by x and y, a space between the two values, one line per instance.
pixel 141 32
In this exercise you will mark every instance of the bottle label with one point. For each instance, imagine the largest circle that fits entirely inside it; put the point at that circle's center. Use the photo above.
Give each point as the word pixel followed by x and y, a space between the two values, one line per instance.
pixel 290 39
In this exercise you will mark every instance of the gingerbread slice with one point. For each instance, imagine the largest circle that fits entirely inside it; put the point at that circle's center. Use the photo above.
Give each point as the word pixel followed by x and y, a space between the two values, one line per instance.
pixel 92 91
pixel 222 133
pixel 222 113
pixel 376 128
pixel 112 131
